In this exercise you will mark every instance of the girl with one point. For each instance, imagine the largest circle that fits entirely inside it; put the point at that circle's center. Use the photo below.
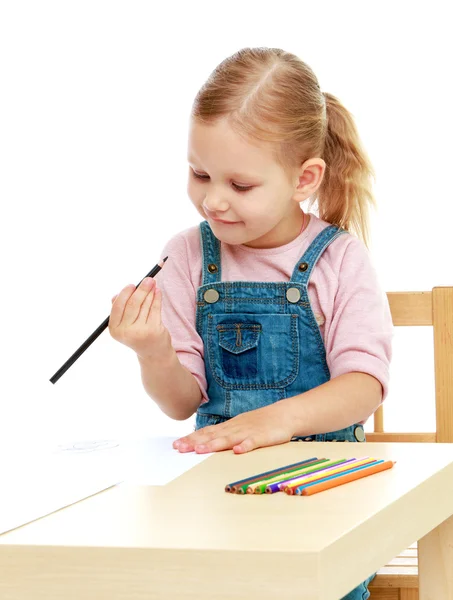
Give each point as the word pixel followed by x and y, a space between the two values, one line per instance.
pixel 273 325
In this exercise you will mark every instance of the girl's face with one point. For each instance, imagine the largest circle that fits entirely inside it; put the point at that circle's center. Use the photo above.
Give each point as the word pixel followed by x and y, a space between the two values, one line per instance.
pixel 235 181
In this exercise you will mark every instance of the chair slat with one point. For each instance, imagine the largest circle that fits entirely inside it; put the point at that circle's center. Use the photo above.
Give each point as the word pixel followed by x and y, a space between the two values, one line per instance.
pixel 403 561
pixel 387 576
pixel 388 436
pixel 385 594
pixel 411 308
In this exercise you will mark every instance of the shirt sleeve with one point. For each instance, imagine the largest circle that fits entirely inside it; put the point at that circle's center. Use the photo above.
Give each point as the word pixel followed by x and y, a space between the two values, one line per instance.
pixel 175 281
pixel 359 334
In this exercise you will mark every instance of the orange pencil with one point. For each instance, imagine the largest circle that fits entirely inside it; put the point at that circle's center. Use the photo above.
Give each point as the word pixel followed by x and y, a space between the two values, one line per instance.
pixel 326 485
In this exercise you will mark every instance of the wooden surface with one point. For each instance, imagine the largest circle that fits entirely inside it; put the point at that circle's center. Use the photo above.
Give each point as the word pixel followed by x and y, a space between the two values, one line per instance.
pixel 411 308
pixel 436 562
pixel 190 539
pixel 417 309
pixel 434 309
pixel 443 361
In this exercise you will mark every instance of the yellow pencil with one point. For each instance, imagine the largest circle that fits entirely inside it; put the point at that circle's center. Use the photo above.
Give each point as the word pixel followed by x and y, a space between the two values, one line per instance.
pixel 326 485
pixel 281 476
pixel 289 489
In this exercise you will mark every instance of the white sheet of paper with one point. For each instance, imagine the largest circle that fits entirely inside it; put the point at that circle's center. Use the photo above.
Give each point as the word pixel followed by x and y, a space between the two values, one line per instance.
pixel 36 481
pixel 154 461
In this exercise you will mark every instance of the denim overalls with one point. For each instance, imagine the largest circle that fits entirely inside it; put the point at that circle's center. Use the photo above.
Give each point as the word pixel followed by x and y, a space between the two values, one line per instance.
pixel 262 342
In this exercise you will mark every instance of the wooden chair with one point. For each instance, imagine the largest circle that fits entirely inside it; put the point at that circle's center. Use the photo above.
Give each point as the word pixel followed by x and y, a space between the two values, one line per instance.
pixel 399 579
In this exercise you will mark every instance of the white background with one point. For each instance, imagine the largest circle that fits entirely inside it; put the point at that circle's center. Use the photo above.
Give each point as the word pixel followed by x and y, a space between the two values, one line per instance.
pixel 94 104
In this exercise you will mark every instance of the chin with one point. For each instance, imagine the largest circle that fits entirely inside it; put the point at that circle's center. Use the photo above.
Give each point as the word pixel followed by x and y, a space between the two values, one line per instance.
pixel 224 234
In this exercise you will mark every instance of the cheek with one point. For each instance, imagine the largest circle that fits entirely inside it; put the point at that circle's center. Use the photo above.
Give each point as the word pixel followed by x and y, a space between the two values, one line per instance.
pixel 196 197
pixel 263 206
pixel 194 192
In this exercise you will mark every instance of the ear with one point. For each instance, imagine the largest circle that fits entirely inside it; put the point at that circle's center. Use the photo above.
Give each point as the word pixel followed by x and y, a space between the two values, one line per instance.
pixel 308 178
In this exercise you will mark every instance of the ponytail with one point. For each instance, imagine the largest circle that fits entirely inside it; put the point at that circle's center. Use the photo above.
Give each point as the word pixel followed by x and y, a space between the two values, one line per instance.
pixel 345 194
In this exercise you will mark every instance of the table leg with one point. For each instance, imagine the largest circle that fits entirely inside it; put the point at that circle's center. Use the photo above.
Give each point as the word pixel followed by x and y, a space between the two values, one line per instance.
pixel 435 563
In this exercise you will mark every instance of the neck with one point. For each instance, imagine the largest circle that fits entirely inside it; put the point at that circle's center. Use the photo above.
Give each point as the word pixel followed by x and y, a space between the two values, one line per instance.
pixel 274 239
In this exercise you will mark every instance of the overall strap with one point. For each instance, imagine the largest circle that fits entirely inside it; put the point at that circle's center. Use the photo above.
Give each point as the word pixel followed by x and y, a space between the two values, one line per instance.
pixel 210 249
pixel 307 262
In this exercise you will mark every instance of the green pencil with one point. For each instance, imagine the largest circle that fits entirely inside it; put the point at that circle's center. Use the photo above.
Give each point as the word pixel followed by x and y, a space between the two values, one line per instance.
pixel 232 487
pixel 244 488
pixel 260 488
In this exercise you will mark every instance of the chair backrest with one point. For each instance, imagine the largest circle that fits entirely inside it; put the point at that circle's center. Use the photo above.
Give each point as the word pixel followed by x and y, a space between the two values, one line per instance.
pixel 434 309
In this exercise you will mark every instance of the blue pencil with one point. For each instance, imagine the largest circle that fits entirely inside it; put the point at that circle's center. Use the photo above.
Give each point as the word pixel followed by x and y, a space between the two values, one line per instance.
pixel 231 487
pixel 298 490
pixel 278 485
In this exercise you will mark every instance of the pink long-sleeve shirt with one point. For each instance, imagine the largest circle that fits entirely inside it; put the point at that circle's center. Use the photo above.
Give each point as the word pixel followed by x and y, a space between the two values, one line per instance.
pixel 350 307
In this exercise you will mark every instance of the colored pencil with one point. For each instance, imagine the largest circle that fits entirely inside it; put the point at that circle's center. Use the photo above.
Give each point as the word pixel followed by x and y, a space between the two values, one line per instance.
pixel 249 488
pixel 97 332
pixel 353 469
pixel 278 486
pixel 231 487
pixel 260 488
pixel 242 485
pixel 305 481
pixel 356 474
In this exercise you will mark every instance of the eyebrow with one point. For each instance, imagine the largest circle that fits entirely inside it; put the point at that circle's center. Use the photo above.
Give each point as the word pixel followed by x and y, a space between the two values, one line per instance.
pixel 237 174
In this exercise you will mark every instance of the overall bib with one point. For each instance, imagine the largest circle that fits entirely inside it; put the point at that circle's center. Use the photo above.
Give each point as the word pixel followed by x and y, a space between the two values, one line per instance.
pixel 262 342
pixel 261 339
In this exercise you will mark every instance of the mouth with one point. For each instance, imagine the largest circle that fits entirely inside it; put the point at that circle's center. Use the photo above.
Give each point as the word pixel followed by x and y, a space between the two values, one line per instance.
pixel 224 222
pixel 211 216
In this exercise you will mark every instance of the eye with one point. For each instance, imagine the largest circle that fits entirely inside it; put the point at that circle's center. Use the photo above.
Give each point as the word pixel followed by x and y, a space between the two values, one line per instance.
pixel 200 176
pixel 238 188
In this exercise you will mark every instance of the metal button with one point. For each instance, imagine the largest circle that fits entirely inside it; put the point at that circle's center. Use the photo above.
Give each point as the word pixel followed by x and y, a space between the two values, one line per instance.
pixel 303 266
pixel 211 296
pixel 293 295
pixel 212 268
pixel 308 439
pixel 359 433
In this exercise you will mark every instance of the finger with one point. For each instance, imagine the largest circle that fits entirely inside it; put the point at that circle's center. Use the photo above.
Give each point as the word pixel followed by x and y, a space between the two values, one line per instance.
pixel 116 314
pixel 114 298
pixel 246 445
pixel 194 434
pixel 154 315
pixel 223 442
pixel 201 436
pixel 146 307
pixel 189 444
pixel 136 300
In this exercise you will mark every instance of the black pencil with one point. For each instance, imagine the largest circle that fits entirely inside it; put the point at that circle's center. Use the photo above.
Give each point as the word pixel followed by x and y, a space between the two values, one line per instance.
pixel 98 331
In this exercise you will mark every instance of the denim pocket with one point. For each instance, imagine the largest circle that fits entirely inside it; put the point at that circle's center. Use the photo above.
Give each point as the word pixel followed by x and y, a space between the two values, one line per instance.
pixel 235 339
pixel 253 351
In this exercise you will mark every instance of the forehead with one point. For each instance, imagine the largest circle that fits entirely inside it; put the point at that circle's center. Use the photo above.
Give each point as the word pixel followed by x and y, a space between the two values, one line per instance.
pixel 218 146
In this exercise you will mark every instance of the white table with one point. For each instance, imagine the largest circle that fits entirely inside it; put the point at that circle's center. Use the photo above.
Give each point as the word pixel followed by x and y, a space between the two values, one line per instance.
pixel 190 539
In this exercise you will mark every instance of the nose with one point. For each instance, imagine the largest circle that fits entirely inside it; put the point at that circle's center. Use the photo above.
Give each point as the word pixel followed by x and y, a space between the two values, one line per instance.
pixel 213 204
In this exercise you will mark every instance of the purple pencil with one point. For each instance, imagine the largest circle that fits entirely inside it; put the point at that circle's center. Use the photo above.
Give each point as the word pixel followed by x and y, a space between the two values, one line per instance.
pixel 279 485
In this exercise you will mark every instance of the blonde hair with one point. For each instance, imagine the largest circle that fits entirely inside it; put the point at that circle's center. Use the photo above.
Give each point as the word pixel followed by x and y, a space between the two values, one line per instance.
pixel 269 95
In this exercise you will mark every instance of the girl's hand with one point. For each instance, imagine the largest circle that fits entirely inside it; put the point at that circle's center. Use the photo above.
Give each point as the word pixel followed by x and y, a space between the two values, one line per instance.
pixel 266 426
pixel 135 319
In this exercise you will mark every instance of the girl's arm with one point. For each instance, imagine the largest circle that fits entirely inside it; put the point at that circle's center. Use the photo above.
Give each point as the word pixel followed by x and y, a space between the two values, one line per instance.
pixel 174 389
pixel 334 405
